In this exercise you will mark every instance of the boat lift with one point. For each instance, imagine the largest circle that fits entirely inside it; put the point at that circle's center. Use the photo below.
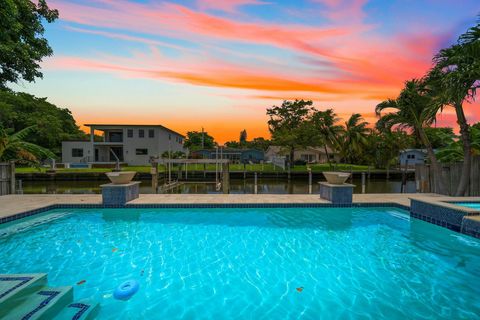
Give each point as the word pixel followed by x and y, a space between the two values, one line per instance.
pixel 222 171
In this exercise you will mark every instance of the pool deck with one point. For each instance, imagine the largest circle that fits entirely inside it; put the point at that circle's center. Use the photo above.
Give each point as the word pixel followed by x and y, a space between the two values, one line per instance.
pixel 14 204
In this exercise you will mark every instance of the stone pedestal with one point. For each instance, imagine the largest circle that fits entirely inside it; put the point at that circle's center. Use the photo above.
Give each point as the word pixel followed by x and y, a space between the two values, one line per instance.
pixel 336 193
pixel 119 194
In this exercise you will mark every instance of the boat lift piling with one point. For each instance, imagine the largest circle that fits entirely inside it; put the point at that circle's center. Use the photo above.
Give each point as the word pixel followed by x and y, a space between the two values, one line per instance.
pixel 309 180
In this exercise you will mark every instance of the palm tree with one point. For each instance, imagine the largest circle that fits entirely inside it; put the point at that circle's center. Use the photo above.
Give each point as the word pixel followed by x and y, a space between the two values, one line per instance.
pixel 354 137
pixel 453 151
pixel 14 147
pixel 455 78
pixel 412 111
pixel 324 125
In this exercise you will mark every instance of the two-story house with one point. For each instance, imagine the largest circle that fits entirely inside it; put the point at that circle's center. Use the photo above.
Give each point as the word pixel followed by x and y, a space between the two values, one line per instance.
pixel 131 144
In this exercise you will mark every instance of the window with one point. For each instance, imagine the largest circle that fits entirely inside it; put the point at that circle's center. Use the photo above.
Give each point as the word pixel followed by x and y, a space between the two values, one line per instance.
pixel 77 153
pixel 410 156
pixel 141 152
pixel 114 136
pixel 308 157
pixel 130 133
pixel 169 136
pixel 151 133
pixel 180 140
pixel 141 133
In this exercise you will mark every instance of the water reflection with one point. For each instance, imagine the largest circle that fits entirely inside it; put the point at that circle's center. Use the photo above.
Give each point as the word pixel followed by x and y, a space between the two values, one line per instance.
pixel 265 186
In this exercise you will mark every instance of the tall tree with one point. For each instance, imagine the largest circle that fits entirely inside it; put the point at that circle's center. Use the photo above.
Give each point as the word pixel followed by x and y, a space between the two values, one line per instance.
pixel 455 79
pixel 288 125
pixel 354 137
pixel 243 137
pixel 193 141
pixel 22 45
pixel 412 111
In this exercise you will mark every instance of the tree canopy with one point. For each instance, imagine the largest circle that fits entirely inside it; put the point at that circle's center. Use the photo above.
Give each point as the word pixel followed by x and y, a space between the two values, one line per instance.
pixel 194 139
pixel 288 125
pixel 52 124
pixel 22 45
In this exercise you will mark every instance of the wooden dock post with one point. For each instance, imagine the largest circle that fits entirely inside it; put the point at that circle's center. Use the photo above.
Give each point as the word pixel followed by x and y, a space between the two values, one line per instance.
pixel 225 178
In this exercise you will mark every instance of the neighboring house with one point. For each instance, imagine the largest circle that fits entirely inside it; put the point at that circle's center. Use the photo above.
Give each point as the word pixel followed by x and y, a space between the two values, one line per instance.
pixel 234 155
pixel 412 157
pixel 132 144
pixel 310 154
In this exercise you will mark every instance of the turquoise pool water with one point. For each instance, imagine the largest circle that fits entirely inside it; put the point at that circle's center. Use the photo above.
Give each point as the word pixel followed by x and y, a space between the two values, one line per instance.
pixel 269 263
pixel 473 205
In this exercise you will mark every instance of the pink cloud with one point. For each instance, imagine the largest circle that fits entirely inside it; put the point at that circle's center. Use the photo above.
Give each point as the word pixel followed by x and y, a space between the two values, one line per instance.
pixel 350 11
pixel 179 21
pixel 230 6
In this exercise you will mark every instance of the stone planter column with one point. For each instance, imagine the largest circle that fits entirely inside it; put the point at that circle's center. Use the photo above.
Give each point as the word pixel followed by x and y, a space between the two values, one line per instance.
pixel 337 193
pixel 119 194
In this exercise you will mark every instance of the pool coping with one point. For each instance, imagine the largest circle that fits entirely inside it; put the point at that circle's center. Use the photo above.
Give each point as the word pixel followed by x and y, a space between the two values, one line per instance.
pixel 33 212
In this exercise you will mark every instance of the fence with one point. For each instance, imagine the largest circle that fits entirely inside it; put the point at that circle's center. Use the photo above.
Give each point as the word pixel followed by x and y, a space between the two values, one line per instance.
pixel 7 178
pixel 451 173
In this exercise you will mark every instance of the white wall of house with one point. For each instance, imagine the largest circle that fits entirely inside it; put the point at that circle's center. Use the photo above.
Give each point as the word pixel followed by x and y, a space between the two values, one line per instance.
pixel 137 144
pixel 412 157
pixel 162 140
pixel 76 151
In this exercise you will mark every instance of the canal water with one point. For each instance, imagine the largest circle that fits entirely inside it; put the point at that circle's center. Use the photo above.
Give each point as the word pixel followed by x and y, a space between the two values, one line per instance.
pixel 265 186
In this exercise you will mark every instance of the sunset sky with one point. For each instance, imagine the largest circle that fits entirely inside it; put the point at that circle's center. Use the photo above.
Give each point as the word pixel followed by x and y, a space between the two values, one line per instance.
pixel 220 63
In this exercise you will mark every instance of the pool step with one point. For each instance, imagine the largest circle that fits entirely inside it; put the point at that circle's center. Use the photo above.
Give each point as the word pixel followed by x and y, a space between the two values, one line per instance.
pixel 42 304
pixel 14 288
pixel 27 297
pixel 81 310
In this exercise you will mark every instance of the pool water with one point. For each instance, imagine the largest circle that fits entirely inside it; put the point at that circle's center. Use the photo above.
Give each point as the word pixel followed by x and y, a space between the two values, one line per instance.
pixel 472 205
pixel 252 263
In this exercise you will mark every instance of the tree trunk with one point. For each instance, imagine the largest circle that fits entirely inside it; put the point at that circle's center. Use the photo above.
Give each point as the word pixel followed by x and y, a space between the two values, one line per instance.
pixel 326 153
pixel 440 187
pixel 467 152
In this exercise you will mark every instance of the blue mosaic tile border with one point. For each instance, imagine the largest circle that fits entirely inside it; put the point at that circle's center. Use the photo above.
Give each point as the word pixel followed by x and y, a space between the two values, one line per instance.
pixel 201 205
pixel 51 295
pixel 471 228
pixel 23 280
pixel 83 308
pixel 438 222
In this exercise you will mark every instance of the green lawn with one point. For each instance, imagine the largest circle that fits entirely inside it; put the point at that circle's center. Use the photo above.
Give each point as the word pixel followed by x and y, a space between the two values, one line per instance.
pixel 211 167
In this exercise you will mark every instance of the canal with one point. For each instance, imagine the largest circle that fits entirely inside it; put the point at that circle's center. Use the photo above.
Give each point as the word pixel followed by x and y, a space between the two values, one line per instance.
pixel 238 186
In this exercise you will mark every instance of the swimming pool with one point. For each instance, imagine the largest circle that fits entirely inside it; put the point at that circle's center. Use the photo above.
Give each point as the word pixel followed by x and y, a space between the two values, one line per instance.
pixel 471 205
pixel 252 263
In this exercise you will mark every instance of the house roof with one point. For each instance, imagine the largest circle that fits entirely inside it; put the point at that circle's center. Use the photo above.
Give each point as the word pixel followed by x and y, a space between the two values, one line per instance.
pixel 414 150
pixel 132 125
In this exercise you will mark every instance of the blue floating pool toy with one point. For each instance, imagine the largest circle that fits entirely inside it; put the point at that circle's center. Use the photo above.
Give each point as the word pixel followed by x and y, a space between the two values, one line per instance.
pixel 126 290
